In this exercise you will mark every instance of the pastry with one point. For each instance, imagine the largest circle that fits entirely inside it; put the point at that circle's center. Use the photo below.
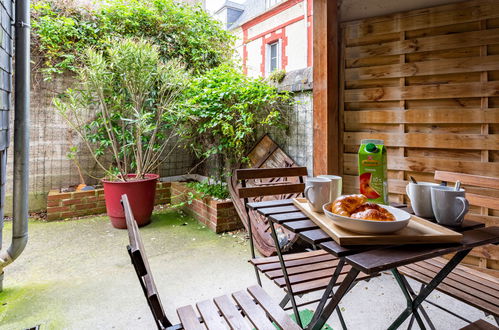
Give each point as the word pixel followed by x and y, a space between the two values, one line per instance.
pixel 373 214
pixel 356 207
pixel 345 205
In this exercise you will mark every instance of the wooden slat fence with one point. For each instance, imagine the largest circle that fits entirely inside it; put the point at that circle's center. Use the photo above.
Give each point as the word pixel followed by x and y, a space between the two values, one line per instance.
pixel 426 82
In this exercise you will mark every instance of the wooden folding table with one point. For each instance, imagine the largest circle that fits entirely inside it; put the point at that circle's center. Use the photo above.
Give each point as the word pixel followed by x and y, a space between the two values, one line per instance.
pixel 372 259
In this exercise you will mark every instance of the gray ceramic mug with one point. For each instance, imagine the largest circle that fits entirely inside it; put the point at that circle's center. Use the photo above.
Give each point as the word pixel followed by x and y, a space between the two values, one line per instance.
pixel 449 206
pixel 420 196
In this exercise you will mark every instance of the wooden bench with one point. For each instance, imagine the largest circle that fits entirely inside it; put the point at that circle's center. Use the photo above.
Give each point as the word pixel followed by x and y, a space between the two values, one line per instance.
pixel 470 285
pixel 246 309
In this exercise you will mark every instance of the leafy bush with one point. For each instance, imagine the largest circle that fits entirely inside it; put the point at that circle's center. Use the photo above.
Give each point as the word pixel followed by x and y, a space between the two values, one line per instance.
pixel 210 188
pixel 123 107
pixel 61 34
pixel 223 110
pixel 62 31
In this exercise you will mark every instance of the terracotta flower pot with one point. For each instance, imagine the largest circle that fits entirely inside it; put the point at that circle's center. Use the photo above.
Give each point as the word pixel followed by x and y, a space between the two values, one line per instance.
pixel 140 193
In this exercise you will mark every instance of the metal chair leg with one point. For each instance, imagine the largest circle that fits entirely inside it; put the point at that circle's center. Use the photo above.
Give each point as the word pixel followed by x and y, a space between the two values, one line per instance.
pixel 285 273
pixel 285 301
pixel 335 300
pixel 411 322
pixel 408 297
pixel 250 232
pixel 442 274
pixel 421 309
pixel 329 289
pixel 340 317
pixel 425 315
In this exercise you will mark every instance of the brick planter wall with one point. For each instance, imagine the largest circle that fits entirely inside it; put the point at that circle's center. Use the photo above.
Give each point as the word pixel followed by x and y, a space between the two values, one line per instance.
pixel 219 216
pixel 81 203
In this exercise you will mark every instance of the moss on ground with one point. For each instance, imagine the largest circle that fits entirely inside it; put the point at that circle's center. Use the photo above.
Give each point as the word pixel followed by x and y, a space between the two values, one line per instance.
pixel 19 308
pixel 76 272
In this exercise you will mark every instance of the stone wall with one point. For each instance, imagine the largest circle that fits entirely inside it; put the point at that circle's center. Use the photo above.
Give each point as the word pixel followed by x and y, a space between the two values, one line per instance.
pixel 297 142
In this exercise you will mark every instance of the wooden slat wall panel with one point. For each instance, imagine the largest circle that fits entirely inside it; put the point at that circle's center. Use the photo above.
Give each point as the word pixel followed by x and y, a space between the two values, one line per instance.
pixel 426 82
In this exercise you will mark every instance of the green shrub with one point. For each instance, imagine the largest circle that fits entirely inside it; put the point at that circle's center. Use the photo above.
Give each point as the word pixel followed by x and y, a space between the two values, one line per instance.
pixel 210 188
pixel 224 109
pixel 63 31
pixel 123 107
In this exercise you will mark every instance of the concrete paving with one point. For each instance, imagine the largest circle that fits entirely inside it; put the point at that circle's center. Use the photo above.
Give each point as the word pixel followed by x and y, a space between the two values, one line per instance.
pixel 77 275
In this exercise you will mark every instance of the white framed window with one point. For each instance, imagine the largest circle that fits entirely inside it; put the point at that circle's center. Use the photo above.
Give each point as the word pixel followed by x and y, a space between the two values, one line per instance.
pixel 271 3
pixel 273 57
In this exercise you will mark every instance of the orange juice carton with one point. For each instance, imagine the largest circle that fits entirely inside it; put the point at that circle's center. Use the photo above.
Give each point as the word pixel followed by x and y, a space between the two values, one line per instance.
pixel 373 171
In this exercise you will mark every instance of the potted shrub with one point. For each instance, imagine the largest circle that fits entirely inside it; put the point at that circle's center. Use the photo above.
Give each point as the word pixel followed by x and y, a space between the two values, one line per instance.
pixel 122 112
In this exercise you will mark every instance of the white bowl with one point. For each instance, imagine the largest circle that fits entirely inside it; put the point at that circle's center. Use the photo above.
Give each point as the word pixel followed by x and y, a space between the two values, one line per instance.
pixel 371 226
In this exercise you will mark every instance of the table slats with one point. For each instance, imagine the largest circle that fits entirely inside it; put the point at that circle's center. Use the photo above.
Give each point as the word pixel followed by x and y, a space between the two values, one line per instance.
pixel 288 217
pixel 272 203
pixel 386 258
pixel 266 211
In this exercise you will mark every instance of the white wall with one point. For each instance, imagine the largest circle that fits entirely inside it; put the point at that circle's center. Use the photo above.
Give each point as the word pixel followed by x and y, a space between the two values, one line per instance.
pixel 276 20
pixel 296 50
pixel 254 60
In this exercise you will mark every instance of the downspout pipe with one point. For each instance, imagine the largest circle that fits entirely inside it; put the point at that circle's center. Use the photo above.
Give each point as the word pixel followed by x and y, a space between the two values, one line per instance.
pixel 21 136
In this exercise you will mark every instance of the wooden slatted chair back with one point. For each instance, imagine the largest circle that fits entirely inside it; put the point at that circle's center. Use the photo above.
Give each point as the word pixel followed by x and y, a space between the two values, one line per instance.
pixel 483 193
pixel 476 197
pixel 141 265
pixel 260 183
pixel 272 186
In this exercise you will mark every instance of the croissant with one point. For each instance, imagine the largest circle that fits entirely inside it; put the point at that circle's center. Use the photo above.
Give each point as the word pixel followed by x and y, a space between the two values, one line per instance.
pixel 367 206
pixel 373 214
pixel 345 205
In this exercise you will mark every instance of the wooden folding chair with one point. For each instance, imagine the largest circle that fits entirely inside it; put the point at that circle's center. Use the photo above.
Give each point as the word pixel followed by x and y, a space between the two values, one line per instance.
pixel 307 270
pixel 464 283
pixel 247 309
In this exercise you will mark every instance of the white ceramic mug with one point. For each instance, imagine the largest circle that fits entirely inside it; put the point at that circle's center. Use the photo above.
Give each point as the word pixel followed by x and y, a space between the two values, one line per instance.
pixel 336 186
pixel 449 205
pixel 420 196
pixel 317 193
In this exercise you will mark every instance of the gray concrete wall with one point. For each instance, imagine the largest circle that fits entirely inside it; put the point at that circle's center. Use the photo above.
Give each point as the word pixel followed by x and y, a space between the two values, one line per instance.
pixel 298 141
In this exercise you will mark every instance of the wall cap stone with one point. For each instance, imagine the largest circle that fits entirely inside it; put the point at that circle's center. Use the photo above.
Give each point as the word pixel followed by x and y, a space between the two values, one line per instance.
pixel 297 80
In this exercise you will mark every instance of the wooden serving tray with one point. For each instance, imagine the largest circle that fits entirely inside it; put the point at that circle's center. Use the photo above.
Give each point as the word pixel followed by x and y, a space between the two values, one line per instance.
pixel 418 231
